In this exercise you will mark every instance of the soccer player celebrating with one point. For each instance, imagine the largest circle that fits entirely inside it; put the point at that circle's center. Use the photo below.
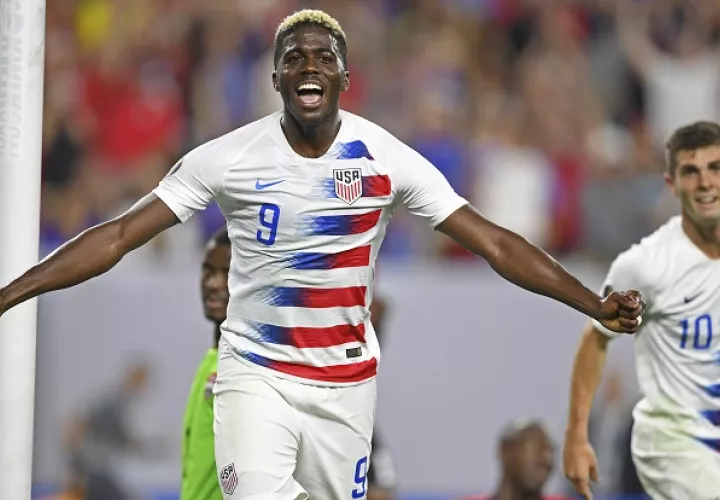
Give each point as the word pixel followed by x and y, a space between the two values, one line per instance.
pixel 676 434
pixel 199 476
pixel 307 193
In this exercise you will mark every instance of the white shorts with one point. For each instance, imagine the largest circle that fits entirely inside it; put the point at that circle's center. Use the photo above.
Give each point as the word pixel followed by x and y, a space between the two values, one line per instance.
pixel 674 466
pixel 277 439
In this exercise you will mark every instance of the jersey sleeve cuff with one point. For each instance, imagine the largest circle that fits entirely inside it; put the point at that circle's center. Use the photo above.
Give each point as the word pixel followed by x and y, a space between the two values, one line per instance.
pixel 450 208
pixel 166 196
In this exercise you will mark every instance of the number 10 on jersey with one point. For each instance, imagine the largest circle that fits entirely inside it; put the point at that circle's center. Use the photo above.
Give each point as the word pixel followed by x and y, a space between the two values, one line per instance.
pixel 269 217
pixel 701 331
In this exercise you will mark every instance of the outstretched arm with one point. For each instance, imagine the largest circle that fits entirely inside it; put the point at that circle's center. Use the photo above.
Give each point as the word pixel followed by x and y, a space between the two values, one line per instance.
pixel 92 253
pixel 527 266
pixel 579 462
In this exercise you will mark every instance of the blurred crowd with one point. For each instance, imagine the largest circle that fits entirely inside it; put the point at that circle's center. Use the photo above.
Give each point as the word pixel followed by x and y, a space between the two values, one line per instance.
pixel 549 115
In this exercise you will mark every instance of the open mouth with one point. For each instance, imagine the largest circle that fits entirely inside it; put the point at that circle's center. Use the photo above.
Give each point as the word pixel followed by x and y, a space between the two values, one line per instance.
pixel 309 93
pixel 706 200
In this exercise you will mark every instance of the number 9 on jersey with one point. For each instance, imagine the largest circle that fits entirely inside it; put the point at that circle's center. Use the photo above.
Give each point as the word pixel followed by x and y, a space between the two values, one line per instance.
pixel 269 217
pixel 361 470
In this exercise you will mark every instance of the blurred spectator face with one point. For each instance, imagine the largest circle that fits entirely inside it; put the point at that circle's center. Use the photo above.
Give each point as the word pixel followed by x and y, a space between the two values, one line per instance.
pixel 214 282
pixel 528 459
pixel 689 43
pixel 137 377
pixel 696 182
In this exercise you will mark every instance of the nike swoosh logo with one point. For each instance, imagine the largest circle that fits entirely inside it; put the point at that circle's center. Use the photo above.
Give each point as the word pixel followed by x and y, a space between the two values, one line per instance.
pixel 687 300
pixel 259 186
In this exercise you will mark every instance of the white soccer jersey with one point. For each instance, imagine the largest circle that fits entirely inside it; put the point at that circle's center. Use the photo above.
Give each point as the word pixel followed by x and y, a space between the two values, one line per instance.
pixel 677 348
pixel 305 235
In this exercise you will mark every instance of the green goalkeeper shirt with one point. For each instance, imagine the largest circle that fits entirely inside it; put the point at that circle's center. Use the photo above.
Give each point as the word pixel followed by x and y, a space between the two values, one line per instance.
pixel 199 475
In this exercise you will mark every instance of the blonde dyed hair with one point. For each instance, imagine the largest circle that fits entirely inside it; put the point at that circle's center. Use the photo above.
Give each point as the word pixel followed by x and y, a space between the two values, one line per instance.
pixel 313 17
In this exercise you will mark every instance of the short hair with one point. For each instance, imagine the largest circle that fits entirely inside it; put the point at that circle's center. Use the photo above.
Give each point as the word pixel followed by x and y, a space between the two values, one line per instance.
pixel 513 430
pixel 220 238
pixel 694 136
pixel 310 17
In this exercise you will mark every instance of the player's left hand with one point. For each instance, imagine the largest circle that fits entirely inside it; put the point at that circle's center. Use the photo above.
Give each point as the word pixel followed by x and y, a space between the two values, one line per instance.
pixel 622 312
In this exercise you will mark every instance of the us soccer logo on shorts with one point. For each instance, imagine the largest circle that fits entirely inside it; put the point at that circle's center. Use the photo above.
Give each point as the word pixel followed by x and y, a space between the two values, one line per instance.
pixel 228 479
pixel 348 184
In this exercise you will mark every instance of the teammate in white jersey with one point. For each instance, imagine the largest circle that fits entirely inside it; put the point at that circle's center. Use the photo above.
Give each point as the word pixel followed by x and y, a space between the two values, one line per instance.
pixel 307 193
pixel 676 433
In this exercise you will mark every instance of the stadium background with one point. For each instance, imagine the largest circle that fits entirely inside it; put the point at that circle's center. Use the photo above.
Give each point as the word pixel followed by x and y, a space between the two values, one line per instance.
pixel 530 108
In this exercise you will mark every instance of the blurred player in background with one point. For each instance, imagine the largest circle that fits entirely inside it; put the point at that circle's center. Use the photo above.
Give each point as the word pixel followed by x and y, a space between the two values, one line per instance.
pixel 307 193
pixel 199 472
pixel 676 435
pixel 100 437
pixel 527 458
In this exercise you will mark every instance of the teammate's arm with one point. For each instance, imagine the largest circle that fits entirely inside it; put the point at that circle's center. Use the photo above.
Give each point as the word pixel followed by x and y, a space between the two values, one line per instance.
pixel 633 26
pixel 92 253
pixel 579 462
pixel 527 266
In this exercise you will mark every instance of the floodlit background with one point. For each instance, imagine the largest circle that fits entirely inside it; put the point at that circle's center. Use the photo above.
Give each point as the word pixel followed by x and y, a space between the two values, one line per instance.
pixel 548 115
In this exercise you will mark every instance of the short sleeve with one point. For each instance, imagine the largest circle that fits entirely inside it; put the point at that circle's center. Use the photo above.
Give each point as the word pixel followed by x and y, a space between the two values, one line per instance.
pixel 422 188
pixel 624 274
pixel 191 185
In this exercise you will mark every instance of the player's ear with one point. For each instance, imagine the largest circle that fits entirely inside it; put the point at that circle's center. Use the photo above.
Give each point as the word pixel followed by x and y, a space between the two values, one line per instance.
pixel 346 81
pixel 275 82
pixel 670 181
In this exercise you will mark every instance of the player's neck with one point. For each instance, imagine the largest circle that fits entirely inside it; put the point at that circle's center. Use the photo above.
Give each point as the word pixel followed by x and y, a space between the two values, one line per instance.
pixel 706 238
pixel 310 141
pixel 507 491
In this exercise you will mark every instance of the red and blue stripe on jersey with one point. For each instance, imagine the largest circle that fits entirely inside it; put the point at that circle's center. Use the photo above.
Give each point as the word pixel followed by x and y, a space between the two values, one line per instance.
pixel 713 444
pixel 340 225
pixel 306 337
pixel 336 373
pixel 315 298
pixel 355 257
pixel 713 390
pixel 713 416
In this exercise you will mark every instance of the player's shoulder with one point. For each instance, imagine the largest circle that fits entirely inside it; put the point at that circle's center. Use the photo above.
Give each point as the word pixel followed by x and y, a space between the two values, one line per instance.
pixel 666 241
pixel 372 132
pixel 655 255
pixel 236 142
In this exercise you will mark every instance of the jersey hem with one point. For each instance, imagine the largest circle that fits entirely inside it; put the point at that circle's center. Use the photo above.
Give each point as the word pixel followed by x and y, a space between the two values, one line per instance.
pixel 286 376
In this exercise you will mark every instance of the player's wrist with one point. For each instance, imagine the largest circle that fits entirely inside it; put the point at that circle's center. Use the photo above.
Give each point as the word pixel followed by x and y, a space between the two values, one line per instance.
pixel 591 305
pixel 577 433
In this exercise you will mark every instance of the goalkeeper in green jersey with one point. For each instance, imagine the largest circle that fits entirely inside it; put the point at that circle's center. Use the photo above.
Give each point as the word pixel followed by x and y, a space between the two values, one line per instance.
pixel 199 474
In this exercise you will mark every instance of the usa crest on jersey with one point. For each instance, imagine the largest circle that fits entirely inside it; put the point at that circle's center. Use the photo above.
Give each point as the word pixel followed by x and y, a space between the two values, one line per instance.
pixel 348 184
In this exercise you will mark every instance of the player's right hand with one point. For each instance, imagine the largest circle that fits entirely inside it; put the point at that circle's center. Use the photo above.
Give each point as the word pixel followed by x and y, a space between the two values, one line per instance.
pixel 580 465
pixel 622 312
